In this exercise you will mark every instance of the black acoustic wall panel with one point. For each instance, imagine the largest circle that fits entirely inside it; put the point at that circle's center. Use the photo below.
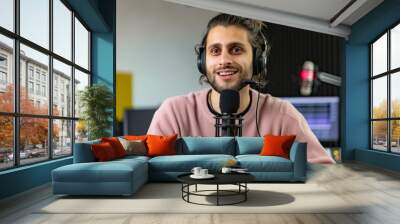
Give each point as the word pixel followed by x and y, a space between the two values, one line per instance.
pixel 290 47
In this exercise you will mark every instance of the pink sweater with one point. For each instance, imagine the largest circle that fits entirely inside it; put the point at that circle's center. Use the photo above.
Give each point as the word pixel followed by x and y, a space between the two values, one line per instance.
pixel 189 115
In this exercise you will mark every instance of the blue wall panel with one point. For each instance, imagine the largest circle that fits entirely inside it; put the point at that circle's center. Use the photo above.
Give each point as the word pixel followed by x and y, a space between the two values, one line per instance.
pixel 24 178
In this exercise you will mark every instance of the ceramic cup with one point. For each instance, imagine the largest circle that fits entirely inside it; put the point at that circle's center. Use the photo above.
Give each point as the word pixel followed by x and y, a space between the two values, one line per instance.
pixel 196 170
pixel 203 172
pixel 226 170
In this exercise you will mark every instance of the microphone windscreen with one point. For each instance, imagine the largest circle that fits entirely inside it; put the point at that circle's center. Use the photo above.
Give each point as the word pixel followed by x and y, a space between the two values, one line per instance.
pixel 229 101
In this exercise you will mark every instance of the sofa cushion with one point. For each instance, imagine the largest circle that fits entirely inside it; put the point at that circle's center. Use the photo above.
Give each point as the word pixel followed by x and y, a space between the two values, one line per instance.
pixel 206 145
pixel 249 145
pixel 257 163
pixel 103 151
pixel 111 171
pixel 159 145
pixel 185 163
pixel 116 145
pixel 277 145
pixel 134 147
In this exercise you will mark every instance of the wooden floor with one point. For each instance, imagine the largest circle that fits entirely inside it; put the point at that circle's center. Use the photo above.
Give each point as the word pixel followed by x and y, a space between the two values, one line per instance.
pixel 378 188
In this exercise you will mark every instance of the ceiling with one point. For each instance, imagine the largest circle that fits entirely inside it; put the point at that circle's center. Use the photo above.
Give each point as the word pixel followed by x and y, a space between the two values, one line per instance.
pixel 333 17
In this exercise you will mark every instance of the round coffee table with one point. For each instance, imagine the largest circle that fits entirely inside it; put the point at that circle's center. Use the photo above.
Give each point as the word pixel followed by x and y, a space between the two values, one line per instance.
pixel 238 179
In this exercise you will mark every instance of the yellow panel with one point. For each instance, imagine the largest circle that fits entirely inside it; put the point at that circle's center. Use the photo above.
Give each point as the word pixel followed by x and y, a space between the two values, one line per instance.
pixel 124 93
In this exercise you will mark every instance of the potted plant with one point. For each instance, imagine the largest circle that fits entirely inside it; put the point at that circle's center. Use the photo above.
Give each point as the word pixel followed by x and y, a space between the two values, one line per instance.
pixel 96 102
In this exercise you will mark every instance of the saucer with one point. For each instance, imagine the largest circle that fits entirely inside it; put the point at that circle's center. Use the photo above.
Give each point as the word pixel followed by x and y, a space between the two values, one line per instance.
pixel 208 176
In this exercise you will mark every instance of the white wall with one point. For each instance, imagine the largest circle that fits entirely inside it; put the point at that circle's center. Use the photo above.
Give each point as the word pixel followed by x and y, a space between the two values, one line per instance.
pixel 155 42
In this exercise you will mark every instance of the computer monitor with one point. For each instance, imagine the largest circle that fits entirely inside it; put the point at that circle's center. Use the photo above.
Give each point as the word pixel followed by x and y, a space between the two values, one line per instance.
pixel 322 115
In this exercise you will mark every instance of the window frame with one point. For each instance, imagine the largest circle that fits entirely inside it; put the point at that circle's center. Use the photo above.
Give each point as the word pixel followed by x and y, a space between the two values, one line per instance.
pixel 16 114
pixel 388 74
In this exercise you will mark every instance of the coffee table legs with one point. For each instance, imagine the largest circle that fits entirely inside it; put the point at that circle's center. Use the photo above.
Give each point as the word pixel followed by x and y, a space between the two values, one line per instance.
pixel 242 191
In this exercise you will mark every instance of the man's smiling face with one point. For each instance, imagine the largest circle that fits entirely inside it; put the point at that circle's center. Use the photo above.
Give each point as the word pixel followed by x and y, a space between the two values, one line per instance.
pixel 228 57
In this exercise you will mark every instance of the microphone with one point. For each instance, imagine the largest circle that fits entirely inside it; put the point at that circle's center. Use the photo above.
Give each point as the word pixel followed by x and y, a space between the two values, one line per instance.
pixel 228 124
pixel 307 76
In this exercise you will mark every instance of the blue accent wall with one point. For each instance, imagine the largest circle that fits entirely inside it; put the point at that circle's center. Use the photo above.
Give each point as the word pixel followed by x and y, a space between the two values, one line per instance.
pixel 100 17
pixel 24 178
pixel 356 86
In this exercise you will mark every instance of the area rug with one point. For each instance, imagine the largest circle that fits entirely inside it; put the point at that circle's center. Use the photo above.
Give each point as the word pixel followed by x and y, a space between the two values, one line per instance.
pixel 167 198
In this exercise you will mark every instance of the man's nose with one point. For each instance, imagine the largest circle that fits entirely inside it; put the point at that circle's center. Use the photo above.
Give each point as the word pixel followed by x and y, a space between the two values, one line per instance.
pixel 225 58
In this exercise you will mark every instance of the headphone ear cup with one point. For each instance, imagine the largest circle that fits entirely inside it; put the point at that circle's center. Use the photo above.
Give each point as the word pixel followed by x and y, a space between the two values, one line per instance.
pixel 256 62
pixel 201 61
pixel 259 62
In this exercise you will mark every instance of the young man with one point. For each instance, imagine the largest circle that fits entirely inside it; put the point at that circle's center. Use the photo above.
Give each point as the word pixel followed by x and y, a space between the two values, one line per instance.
pixel 228 49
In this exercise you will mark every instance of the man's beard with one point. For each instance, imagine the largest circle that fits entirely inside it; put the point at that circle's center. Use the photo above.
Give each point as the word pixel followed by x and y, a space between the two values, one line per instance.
pixel 237 86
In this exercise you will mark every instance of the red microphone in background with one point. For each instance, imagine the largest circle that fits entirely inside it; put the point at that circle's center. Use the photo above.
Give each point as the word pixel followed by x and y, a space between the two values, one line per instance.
pixel 307 77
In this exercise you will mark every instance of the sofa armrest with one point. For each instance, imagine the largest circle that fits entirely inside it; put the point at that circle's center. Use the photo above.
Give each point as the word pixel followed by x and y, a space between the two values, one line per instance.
pixel 83 152
pixel 298 155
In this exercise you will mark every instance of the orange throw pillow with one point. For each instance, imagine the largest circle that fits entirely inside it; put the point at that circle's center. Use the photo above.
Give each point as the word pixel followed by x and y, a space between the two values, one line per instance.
pixel 135 137
pixel 116 145
pixel 103 151
pixel 161 145
pixel 277 145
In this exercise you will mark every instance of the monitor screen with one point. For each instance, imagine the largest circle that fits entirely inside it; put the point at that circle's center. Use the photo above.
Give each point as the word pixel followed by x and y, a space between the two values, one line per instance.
pixel 322 115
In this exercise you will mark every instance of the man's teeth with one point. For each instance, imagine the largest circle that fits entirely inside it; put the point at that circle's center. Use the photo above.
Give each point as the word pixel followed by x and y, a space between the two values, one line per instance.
pixel 226 73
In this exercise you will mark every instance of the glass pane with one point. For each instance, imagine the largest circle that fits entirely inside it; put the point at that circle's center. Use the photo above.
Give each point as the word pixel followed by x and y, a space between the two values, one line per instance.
pixel 395 138
pixel 395 94
pixel 7 14
pixel 81 131
pixel 379 97
pixel 62 29
pixel 395 47
pixel 81 45
pixel 35 21
pixel 62 138
pixel 62 89
pixel 34 92
pixel 379 55
pixel 6 74
pixel 33 139
pixel 6 142
pixel 81 81
pixel 379 135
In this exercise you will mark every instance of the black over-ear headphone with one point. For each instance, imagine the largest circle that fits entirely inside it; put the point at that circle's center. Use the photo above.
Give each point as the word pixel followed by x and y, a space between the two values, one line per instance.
pixel 259 57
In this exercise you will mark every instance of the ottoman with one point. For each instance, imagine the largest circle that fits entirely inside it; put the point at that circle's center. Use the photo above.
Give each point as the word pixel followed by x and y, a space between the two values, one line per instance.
pixel 118 177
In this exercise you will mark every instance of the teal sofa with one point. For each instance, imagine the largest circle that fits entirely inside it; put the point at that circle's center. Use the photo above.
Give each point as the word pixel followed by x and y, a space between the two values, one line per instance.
pixel 125 176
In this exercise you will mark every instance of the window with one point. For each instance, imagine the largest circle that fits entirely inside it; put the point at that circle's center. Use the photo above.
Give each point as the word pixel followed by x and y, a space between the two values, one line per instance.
pixel 3 71
pixel 48 75
pixel 7 14
pixel 6 80
pixel 30 87
pixel 3 61
pixel 38 89
pixel 30 72
pixel 43 90
pixel 385 94
pixel 3 78
pixel 37 74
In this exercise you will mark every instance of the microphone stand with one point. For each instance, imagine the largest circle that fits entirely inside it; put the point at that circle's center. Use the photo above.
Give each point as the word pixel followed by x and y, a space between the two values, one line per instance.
pixel 228 125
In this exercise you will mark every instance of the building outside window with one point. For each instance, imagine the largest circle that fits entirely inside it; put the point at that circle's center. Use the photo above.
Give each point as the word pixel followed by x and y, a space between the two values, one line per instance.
pixel 385 93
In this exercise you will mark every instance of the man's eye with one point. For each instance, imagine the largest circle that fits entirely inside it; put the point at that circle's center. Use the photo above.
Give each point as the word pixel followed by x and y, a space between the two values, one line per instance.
pixel 237 50
pixel 214 51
